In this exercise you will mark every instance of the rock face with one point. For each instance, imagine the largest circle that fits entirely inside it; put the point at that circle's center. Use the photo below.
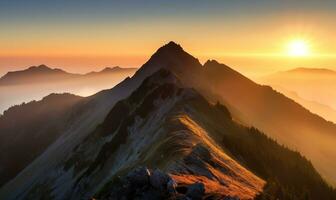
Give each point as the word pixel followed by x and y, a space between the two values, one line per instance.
pixel 139 177
pixel 160 180
pixel 156 185
pixel 196 191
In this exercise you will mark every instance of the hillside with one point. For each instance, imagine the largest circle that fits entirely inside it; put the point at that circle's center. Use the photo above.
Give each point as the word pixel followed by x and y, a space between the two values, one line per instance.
pixel 27 130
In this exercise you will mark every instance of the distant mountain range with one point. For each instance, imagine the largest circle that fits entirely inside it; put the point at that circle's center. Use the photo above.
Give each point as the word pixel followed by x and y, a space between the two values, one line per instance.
pixel 322 110
pixel 177 129
pixel 36 82
pixel 42 73
pixel 310 84
pixel 312 71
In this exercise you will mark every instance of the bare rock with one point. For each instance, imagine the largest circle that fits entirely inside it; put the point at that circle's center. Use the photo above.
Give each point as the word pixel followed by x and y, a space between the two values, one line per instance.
pixel 139 176
pixel 159 180
pixel 196 191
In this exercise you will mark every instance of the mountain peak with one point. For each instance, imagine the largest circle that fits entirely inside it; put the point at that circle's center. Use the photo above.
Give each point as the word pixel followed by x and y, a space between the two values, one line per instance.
pixel 39 67
pixel 211 62
pixel 172 46
pixel 33 74
pixel 42 68
pixel 170 56
pixel 108 69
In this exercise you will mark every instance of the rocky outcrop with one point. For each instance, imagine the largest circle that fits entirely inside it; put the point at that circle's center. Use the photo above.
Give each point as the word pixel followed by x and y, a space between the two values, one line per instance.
pixel 145 184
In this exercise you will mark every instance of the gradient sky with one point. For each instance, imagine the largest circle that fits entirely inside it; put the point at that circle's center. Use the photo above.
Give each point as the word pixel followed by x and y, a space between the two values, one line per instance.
pixel 86 35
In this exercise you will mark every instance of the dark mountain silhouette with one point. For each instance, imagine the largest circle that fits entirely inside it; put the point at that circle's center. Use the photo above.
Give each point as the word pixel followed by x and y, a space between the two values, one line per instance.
pixel 28 129
pixel 35 74
pixel 166 117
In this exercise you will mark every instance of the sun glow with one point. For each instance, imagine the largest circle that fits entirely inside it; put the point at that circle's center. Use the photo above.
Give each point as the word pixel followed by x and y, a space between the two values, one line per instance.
pixel 298 48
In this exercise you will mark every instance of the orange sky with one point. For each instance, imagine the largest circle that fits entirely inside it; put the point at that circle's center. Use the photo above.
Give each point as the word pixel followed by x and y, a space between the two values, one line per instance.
pixel 251 38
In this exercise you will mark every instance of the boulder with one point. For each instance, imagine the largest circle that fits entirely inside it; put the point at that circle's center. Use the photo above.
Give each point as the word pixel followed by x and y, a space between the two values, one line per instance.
pixel 159 180
pixel 196 191
pixel 139 176
pixel 171 186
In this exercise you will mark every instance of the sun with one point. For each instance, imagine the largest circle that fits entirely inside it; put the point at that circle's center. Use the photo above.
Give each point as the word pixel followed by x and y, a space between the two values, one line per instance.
pixel 298 48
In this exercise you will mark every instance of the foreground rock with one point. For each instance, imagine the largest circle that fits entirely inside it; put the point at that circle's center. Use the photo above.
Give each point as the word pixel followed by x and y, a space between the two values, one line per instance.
pixel 145 184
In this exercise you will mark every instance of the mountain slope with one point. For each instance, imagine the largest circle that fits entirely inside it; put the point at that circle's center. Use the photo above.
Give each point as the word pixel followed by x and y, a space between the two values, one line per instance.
pixel 157 130
pixel 28 129
pixel 278 116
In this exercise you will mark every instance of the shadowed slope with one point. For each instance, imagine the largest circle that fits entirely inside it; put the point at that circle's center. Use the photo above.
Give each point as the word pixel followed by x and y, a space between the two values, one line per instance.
pixel 27 130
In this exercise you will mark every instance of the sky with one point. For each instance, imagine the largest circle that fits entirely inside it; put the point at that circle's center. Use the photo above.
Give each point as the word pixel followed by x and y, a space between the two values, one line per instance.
pixel 86 35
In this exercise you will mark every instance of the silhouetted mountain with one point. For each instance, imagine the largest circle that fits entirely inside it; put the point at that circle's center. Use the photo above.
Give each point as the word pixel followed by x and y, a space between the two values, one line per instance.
pixel 168 119
pixel 42 73
pixel 108 70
